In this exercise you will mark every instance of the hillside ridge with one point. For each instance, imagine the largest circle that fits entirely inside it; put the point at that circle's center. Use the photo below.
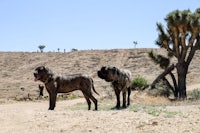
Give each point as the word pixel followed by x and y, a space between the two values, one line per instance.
pixel 17 68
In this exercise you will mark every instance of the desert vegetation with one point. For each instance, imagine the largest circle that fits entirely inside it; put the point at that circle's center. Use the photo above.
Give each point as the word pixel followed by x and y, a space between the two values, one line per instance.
pixel 139 83
pixel 181 39
pixel 41 47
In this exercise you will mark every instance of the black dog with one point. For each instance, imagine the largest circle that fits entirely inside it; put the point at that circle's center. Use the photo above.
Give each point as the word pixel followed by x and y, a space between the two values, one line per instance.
pixel 120 80
pixel 64 84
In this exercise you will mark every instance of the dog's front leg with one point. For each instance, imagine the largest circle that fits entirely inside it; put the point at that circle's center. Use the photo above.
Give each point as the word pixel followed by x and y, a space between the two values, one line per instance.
pixel 117 93
pixel 52 100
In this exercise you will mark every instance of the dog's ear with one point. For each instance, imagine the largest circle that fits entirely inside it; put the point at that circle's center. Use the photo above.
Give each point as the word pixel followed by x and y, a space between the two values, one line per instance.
pixel 42 68
pixel 105 70
pixel 118 71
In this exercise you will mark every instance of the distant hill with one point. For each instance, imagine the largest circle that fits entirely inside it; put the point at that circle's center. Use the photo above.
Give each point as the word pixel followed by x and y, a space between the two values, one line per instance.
pixel 16 68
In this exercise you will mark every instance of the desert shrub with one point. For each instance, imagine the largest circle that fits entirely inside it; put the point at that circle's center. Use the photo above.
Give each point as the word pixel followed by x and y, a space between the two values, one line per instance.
pixel 164 112
pixel 160 90
pixel 195 94
pixel 74 49
pixel 139 83
pixel 154 112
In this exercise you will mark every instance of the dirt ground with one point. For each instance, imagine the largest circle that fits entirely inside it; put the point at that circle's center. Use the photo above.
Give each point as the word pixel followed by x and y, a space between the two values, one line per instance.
pixel 20 112
pixel 33 117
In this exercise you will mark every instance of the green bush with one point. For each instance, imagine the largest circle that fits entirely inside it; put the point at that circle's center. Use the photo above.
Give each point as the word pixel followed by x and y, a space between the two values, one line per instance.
pixel 195 94
pixel 139 82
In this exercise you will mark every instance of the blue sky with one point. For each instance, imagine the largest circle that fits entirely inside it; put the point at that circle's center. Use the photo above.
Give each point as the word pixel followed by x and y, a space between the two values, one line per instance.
pixel 83 24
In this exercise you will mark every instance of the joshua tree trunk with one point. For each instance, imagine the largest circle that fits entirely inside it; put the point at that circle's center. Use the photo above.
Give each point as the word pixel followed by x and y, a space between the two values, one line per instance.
pixel 182 72
pixel 175 91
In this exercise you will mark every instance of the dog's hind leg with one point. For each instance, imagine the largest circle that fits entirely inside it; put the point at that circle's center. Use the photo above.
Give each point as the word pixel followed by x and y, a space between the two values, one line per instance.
pixel 90 96
pixel 124 99
pixel 94 101
pixel 129 93
pixel 88 101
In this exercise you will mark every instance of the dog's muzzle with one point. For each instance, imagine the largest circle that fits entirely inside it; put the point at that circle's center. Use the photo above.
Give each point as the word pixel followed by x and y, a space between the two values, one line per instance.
pixel 36 76
pixel 100 75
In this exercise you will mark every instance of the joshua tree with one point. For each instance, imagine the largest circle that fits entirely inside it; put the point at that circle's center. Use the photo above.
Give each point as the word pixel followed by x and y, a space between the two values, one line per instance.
pixel 181 39
pixel 135 43
pixel 41 47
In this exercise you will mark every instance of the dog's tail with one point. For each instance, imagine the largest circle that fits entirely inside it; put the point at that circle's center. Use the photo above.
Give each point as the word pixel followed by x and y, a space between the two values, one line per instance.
pixel 93 87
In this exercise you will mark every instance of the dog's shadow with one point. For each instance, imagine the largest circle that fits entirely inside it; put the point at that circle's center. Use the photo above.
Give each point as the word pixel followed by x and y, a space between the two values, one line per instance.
pixel 119 108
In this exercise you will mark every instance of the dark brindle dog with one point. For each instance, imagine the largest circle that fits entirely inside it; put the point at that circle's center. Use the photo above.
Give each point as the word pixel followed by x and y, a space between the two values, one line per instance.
pixel 64 84
pixel 120 80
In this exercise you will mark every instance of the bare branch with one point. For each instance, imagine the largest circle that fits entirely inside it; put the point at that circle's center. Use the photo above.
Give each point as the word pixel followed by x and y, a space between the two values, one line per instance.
pixel 176 42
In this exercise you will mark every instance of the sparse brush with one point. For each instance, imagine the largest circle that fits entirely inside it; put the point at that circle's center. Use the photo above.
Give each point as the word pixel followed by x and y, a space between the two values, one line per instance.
pixel 139 83
pixel 154 110
pixel 160 90
pixel 195 94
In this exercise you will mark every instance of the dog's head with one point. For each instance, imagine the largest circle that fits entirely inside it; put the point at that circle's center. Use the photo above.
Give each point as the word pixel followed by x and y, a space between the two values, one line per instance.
pixel 41 73
pixel 107 73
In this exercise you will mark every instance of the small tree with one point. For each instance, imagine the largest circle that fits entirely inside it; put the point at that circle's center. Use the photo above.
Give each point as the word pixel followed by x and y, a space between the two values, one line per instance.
pixel 135 43
pixel 41 47
pixel 181 39
pixel 74 49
